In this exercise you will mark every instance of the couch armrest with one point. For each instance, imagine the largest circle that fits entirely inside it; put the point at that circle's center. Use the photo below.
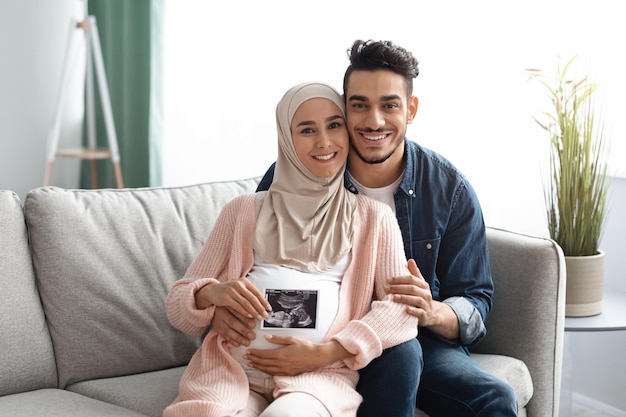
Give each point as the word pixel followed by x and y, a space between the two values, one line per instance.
pixel 528 316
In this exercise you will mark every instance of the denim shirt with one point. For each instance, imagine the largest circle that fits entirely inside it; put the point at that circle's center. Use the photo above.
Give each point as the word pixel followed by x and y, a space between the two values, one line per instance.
pixel 443 230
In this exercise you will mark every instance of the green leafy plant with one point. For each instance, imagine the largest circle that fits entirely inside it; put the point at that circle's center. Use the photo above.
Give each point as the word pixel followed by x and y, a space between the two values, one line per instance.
pixel 576 187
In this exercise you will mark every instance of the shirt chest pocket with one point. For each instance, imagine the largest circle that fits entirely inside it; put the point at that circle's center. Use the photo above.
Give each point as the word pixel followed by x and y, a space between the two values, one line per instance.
pixel 425 253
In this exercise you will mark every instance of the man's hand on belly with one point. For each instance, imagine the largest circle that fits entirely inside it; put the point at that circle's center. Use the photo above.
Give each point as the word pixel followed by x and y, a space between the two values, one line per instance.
pixel 235 328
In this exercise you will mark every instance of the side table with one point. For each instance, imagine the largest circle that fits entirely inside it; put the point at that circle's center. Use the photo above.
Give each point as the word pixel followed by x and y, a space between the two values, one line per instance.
pixel 612 318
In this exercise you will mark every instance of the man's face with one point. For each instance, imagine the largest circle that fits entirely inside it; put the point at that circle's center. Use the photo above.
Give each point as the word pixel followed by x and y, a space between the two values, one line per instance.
pixel 377 112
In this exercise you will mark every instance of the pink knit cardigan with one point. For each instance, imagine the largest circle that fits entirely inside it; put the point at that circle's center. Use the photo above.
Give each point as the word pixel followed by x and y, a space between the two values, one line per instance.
pixel 367 320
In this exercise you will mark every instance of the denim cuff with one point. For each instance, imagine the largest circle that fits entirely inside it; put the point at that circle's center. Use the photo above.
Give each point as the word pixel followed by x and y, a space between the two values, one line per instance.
pixel 471 326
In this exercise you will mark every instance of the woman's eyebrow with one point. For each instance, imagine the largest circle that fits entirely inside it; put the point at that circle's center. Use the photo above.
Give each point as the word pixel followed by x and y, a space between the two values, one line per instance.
pixel 305 123
pixel 311 122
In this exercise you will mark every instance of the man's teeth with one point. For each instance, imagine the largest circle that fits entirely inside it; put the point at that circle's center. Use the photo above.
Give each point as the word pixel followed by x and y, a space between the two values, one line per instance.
pixel 378 137
pixel 324 157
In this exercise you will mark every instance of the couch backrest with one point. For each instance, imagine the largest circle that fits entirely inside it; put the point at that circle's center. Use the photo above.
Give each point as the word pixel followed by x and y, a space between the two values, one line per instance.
pixel 26 354
pixel 105 261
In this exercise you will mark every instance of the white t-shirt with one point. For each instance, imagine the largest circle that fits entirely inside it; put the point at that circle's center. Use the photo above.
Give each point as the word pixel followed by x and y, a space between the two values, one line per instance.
pixel 303 305
pixel 382 194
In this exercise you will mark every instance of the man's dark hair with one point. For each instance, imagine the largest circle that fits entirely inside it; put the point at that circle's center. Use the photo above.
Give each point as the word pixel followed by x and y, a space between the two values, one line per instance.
pixel 375 55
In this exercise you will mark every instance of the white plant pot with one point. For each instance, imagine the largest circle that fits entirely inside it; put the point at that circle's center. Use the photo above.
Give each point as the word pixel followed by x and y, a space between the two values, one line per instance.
pixel 585 285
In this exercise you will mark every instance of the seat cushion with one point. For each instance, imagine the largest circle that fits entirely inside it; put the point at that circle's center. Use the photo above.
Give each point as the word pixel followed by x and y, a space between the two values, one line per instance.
pixel 58 403
pixel 512 371
pixel 148 393
pixel 520 413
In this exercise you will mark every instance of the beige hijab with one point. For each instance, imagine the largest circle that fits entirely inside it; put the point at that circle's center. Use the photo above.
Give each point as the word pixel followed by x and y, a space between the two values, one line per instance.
pixel 303 222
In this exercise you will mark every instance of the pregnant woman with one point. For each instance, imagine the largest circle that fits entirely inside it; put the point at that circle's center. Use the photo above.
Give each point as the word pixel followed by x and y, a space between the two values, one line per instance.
pixel 307 258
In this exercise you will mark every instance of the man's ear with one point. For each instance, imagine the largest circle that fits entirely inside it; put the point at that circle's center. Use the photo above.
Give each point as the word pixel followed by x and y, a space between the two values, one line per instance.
pixel 412 110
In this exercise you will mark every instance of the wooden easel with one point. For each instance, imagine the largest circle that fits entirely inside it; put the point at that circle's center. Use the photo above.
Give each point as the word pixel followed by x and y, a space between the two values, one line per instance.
pixel 93 55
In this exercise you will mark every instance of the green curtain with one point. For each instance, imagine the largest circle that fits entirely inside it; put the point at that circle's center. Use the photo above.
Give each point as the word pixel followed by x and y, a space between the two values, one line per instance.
pixel 125 29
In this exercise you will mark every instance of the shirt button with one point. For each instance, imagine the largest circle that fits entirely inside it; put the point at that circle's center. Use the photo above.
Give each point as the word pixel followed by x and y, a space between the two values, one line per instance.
pixel 429 246
pixel 410 192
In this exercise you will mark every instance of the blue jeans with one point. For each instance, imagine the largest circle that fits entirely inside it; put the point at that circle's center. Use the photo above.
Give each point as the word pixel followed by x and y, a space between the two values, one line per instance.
pixel 389 383
pixel 451 383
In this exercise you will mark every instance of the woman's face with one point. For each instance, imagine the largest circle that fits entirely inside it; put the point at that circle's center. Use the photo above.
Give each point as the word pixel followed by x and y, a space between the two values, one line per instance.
pixel 320 137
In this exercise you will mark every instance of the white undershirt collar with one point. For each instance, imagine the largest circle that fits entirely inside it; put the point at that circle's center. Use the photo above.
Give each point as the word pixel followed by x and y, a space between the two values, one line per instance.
pixel 382 194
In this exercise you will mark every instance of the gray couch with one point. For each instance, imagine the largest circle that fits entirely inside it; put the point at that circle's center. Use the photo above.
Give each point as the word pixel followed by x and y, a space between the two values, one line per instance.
pixel 84 273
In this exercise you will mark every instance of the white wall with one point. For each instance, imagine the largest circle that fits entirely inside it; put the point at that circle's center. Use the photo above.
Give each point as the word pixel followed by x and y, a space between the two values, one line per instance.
pixel 33 37
pixel 476 105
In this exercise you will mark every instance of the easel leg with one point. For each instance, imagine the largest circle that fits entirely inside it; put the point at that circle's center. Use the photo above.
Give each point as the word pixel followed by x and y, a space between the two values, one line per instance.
pixel 48 175
pixel 55 129
pixel 105 99
pixel 94 173
pixel 118 174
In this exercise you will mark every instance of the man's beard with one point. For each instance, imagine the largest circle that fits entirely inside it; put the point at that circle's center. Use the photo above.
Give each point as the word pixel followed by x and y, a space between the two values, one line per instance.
pixel 373 161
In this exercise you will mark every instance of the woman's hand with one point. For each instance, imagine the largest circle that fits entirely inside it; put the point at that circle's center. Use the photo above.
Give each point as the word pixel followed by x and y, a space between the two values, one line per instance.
pixel 240 296
pixel 295 356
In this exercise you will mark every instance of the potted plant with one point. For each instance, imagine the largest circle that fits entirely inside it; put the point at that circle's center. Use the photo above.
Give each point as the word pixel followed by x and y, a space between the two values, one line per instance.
pixel 575 190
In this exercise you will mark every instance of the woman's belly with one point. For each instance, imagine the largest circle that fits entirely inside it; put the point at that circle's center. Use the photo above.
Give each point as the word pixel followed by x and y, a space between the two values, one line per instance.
pixel 303 305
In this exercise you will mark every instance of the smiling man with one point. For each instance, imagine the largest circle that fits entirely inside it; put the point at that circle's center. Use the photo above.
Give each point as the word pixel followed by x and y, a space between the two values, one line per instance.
pixel 443 231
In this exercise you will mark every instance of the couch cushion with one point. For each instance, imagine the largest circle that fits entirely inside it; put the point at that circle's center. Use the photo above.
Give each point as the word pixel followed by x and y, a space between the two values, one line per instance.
pixel 26 355
pixel 520 413
pixel 510 370
pixel 58 403
pixel 105 261
pixel 148 393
